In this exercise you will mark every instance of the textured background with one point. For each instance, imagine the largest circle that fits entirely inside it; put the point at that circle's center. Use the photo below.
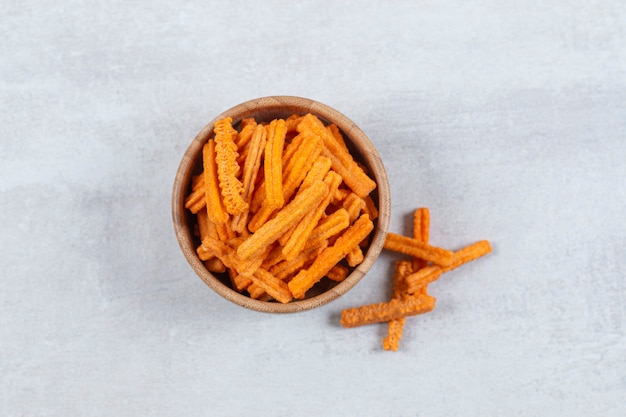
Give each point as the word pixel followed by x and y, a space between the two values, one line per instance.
pixel 506 119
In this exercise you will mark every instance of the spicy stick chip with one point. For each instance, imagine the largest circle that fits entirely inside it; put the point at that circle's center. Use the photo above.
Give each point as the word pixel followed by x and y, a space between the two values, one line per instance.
pixel 215 208
pixel 277 131
pixel 418 249
pixel 227 167
pixel 381 312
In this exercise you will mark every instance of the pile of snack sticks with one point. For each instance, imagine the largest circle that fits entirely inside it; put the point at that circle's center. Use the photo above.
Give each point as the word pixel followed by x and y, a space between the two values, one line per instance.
pixel 280 206
pixel 411 278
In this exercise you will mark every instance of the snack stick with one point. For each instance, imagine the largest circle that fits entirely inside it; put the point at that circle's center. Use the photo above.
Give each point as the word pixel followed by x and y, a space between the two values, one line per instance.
pixel 196 201
pixel 215 265
pixel 468 254
pixel 329 226
pixel 237 281
pixel 197 182
pixel 386 311
pixel 419 279
pixel 299 236
pixel 292 122
pixel 255 291
pixel 224 232
pixel 357 181
pixel 334 130
pixel 318 171
pixel 273 257
pixel 227 167
pixel 250 170
pixel 286 218
pixel 272 285
pixel 258 196
pixel 288 267
pixel 273 166
pixel 205 253
pixel 204 224
pixel 305 279
pixel 403 268
pixel 291 148
pixel 341 194
pixel 355 256
pixel 337 273
pixel 199 205
pixel 354 205
pixel 213 197
pixel 395 329
pixel 245 134
pixel 417 249
pixel 342 161
pixel 370 207
pixel 421 231
pixel 261 217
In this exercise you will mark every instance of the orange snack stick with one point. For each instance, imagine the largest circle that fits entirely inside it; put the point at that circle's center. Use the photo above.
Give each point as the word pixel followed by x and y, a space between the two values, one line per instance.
pixel 300 235
pixel 386 311
pixel 417 249
pixel 215 265
pixel 273 166
pixel 239 282
pixel 421 231
pixel 305 279
pixel 303 202
pixel 245 134
pixel 355 256
pixel 275 287
pixel 197 182
pixel 354 205
pixel 255 291
pixel 370 207
pixel 403 269
pixel 395 328
pixel 195 201
pixel 292 122
pixel 318 171
pixel 213 197
pixel 250 170
pixel 334 130
pixel 330 226
pixel 337 273
pixel 341 194
pixel 227 167
pixel 419 279
pixel 342 161
pixel 468 254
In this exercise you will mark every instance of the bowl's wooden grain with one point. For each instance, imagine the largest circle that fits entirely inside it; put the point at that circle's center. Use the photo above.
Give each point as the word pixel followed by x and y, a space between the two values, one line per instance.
pixel 266 109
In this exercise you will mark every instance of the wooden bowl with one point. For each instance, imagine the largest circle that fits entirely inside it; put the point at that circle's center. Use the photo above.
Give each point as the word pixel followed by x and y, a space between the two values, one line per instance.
pixel 266 109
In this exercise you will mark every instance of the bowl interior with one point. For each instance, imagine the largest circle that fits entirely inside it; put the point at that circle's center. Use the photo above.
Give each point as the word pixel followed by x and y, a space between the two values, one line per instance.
pixel 266 109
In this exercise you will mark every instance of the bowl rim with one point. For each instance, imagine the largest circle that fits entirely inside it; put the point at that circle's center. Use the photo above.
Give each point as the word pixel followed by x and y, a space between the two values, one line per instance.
pixel 283 105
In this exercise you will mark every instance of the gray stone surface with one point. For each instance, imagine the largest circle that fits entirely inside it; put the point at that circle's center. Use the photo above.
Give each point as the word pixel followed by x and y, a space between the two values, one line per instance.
pixel 507 119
